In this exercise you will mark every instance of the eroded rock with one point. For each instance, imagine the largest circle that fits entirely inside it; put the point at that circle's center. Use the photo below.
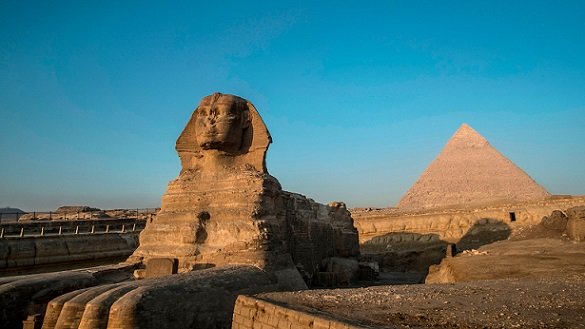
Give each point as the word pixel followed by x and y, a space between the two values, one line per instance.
pixel 576 223
pixel 556 221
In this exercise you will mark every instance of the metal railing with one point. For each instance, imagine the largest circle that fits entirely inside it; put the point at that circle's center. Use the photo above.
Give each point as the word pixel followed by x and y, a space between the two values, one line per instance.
pixel 138 213
pixel 101 228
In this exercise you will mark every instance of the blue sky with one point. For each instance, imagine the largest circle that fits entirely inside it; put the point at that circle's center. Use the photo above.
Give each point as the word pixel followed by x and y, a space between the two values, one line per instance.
pixel 359 99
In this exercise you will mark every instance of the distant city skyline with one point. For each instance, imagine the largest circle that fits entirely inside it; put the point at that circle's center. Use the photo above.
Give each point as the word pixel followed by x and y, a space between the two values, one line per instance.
pixel 359 99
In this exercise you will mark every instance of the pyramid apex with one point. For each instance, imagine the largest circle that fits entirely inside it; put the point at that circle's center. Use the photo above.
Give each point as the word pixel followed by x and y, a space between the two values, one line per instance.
pixel 466 136
pixel 466 127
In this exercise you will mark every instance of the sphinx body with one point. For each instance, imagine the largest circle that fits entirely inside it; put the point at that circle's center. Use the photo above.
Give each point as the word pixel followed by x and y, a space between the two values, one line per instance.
pixel 224 207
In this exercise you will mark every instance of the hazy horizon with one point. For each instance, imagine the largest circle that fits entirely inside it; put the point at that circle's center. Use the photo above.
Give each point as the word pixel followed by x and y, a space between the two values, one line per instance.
pixel 359 99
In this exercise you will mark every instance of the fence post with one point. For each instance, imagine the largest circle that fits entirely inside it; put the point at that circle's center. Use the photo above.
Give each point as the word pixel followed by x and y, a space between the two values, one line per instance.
pixel 93 229
pixel 60 230
pixel 136 213
pixel 34 215
pixel 133 227
pixel 107 228
pixel 78 215
pixel 2 233
pixel 123 228
pixel 50 215
pixel 77 229
pixel 22 231
pixel 42 230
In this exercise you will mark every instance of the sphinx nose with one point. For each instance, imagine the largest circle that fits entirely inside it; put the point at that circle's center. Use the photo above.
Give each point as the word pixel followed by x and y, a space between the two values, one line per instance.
pixel 212 117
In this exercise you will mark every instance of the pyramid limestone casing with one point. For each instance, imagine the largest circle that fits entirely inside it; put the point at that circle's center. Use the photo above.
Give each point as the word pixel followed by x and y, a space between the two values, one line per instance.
pixel 469 171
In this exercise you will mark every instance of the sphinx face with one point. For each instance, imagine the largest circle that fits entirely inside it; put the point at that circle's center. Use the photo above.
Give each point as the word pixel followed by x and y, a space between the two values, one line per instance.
pixel 220 123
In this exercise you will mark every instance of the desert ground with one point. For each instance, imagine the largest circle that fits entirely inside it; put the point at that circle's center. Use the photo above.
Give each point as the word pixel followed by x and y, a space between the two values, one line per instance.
pixel 528 281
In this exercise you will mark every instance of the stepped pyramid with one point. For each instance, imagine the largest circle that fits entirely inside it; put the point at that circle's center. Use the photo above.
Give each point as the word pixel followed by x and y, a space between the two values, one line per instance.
pixel 469 171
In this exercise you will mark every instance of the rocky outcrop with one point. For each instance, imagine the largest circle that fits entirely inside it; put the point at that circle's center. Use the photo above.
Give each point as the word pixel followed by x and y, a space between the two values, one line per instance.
pixel 556 221
pixel 546 247
pixel 513 259
pixel 9 214
pixel 567 225
pixel 576 223
pixel 76 209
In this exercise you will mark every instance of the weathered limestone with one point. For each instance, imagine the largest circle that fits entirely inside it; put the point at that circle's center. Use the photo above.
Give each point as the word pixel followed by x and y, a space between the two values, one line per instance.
pixel 29 295
pixel 411 241
pixel 576 223
pixel 254 312
pixel 57 250
pixel 470 172
pixel 451 225
pixel 158 267
pixel 556 221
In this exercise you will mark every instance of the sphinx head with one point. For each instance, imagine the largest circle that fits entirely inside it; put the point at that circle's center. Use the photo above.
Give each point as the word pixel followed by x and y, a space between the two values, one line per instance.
pixel 225 127
pixel 221 122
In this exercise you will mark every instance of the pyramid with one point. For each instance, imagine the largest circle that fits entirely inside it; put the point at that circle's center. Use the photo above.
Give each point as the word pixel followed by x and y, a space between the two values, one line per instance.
pixel 469 171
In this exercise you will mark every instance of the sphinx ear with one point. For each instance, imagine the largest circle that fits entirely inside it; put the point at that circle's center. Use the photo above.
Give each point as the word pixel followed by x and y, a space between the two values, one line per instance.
pixel 246 119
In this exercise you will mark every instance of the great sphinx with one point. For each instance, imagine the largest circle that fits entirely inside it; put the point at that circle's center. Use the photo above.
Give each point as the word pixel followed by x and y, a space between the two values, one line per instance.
pixel 224 207
pixel 225 225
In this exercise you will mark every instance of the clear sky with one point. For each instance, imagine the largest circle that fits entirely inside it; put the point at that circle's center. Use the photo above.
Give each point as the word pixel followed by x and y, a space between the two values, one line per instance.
pixel 359 96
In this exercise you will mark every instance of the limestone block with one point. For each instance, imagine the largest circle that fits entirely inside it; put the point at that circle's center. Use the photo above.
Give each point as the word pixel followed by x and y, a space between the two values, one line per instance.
pixel 576 223
pixel 157 267
pixel 32 322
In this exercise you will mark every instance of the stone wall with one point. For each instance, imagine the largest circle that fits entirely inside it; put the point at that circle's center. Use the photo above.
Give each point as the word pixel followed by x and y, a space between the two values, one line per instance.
pixel 391 228
pixel 252 312
pixel 317 231
pixel 45 250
